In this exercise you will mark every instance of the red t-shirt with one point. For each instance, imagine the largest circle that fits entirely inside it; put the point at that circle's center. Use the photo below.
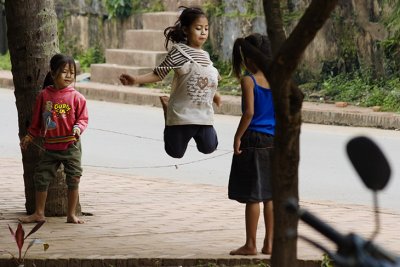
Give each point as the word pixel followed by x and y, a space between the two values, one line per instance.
pixel 55 114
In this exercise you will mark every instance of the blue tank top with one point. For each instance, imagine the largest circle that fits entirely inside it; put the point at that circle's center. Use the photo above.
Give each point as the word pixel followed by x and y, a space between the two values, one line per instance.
pixel 264 113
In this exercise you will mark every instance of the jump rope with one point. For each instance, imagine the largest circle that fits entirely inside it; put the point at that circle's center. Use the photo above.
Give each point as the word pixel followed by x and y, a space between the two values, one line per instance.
pixel 176 166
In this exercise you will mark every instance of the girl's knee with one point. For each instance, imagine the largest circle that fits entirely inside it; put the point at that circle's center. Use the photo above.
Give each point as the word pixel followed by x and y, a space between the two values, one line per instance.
pixel 73 182
pixel 207 149
pixel 174 153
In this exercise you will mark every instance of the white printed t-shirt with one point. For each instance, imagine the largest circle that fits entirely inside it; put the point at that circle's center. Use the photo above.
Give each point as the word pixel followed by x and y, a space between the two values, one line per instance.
pixel 193 87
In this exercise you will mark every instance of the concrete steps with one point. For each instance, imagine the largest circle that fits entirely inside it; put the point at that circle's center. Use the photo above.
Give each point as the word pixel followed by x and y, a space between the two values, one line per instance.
pixel 109 73
pixel 152 40
pixel 143 49
pixel 159 20
pixel 134 57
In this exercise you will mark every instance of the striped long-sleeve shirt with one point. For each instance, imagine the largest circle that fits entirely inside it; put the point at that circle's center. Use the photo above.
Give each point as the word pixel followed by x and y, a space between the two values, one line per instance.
pixel 175 59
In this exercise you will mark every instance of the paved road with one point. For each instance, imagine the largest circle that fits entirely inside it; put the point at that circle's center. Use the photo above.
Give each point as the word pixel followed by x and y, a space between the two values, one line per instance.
pixel 128 138
pixel 181 215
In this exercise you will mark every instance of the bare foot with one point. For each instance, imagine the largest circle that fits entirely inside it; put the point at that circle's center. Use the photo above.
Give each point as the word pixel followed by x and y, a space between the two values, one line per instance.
pixel 74 219
pixel 245 251
pixel 32 218
pixel 266 250
pixel 164 103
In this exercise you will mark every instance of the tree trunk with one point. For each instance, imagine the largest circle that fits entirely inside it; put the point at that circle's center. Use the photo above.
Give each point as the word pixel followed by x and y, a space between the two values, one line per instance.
pixel 32 41
pixel 3 29
pixel 288 101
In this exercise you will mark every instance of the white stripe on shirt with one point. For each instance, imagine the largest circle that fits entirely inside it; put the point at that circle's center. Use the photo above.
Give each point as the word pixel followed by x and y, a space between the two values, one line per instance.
pixel 175 59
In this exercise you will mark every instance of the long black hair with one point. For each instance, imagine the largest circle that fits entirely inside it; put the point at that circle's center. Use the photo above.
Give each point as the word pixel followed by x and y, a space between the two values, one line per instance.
pixel 57 64
pixel 176 32
pixel 255 48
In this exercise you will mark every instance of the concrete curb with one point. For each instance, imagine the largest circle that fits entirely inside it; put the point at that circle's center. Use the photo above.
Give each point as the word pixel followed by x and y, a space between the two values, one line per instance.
pixel 153 262
pixel 317 113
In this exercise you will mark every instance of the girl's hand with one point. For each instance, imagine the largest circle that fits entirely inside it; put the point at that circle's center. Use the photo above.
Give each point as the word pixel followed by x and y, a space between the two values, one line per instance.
pixel 217 100
pixel 127 79
pixel 76 132
pixel 236 146
pixel 25 141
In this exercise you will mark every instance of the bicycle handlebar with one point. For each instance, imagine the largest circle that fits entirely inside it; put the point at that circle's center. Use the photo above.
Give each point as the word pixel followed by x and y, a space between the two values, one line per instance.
pixel 352 250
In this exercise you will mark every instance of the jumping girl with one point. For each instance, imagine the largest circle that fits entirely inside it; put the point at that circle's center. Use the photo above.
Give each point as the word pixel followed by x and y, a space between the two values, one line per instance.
pixel 189 111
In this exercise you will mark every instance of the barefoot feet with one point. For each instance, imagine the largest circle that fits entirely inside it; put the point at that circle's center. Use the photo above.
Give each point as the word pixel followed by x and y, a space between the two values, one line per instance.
pixel 74 219
pixel 245 251
pixel 32 218
pixel 267 251
pixel 267 248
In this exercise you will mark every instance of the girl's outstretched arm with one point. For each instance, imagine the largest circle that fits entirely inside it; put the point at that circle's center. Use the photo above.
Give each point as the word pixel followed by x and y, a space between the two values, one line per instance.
pixel 150 77
pixel 247 86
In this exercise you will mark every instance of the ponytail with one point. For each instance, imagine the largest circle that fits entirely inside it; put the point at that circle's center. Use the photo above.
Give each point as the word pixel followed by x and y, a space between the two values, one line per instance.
pixel 176 33
pixel 255 47
pixel 48 80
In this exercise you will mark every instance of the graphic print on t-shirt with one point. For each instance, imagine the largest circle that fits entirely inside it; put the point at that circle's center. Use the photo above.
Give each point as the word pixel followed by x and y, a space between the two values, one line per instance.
pixel 200 88
pixel 49 116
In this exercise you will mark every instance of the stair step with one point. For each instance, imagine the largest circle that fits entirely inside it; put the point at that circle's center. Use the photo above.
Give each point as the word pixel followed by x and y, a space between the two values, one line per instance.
pixel 173 5
pixel 129 57
pixel 159 20
pixel 109 73
pixel 152 40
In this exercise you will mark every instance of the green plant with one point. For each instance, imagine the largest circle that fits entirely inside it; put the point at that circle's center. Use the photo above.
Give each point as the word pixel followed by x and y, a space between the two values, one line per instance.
pixel 119 8
pixel 90 56
pixel 362 88
pixel 5 62
pixel 20 237
pixel 326 261
pixel 214 10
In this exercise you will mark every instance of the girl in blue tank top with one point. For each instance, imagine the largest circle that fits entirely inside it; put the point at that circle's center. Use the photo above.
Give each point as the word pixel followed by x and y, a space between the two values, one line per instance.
pixel 250 176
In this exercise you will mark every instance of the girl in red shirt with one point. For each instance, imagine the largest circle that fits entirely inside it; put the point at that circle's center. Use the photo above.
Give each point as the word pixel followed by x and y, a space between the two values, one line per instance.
pixel 60 116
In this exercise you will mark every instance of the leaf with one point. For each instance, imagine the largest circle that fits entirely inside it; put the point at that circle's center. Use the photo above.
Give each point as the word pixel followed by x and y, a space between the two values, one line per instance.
pixel 19 237
pixel 12 232
pixel 34 229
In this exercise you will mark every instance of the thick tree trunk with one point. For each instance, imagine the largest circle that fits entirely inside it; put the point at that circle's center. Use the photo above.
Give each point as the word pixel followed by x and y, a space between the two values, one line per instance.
pixel 3 29
pixel 32 41
pixel 288 101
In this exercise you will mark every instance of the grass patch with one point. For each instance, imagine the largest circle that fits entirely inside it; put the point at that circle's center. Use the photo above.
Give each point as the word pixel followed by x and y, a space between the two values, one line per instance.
pixel 5 62
pixel 363 90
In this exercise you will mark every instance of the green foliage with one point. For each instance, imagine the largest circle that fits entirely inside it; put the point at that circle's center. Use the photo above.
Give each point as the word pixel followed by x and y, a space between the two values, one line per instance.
pixel 122 9
pixel 326 261
pixel 393 20
pixel 214 10
pixel 391 45
pixel 140 6
pixel 90 56
pixel 119 8
pixel 5 62
pixel 364 90
pixel 228 85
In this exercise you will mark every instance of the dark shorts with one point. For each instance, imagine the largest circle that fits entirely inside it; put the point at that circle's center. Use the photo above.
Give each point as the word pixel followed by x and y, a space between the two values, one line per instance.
pixel 250 177
pixel 177 137
pixel 50 161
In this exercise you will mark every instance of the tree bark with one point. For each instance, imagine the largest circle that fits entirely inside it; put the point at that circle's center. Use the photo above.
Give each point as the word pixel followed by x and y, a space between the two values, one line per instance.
pixel 32 41
pixel 288 100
